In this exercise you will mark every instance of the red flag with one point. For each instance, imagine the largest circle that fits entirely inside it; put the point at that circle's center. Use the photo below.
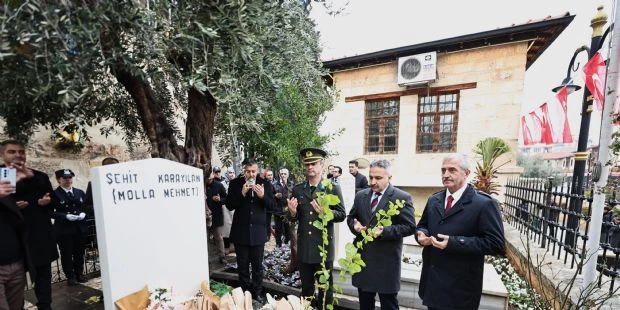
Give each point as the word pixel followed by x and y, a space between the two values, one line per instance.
pixel 547 133
pixel 527 134
pixel 537 127
pixel 596 73
pixel 562 97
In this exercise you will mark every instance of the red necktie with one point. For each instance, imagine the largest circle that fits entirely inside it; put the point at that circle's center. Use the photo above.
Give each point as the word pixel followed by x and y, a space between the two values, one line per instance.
pixel 375 202
pixel 449 204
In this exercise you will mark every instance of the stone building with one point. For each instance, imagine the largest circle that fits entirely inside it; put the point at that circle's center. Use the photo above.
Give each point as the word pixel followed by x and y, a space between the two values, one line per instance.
pixel 458 91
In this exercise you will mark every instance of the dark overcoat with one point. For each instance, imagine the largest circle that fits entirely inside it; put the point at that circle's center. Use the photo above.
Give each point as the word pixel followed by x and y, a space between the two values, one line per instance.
pixel 361 182
pixel 309 238
pixel 18 220
pixel 216 188
pixel 285 190
pixel 452 278
pixel 63 205
pixel 39 231
pixel 249 225
pixel 383 255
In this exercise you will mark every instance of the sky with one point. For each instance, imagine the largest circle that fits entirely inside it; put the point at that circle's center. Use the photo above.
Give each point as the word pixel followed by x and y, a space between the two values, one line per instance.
pixel 371 25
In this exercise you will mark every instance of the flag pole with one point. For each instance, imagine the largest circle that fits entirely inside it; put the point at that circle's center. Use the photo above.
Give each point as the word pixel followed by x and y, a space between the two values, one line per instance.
pixel 611 96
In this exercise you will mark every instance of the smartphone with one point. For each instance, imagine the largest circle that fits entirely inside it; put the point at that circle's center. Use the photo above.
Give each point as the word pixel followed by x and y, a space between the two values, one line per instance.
pixel 8 174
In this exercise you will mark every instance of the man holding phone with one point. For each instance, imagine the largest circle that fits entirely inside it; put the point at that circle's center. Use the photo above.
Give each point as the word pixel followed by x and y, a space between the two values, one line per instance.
pixel 32 196
pixel 250 196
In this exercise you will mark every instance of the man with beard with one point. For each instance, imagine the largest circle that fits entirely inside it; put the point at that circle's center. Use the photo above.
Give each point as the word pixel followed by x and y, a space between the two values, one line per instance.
pixel 304 208
pixel 33 198
pixel 250 196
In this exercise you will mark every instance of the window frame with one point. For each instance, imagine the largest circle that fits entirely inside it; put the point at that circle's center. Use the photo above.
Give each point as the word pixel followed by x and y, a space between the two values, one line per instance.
pixel 382 121
pixel 436 124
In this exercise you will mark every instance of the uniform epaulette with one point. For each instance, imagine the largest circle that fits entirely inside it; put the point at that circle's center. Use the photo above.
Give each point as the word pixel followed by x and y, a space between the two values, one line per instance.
pixel 439 192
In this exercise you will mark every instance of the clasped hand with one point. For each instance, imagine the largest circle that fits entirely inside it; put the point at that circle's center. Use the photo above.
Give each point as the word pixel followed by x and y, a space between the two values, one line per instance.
pixel 257 188
pixel 425 240
pixel 73 217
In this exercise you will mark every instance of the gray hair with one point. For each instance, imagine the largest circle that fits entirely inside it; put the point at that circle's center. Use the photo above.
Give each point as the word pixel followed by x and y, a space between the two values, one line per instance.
pixel 283 170
pixel 462 159
pixel 382 163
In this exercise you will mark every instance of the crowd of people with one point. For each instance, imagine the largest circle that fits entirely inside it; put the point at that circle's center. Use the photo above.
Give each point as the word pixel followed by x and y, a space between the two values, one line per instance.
pixel 459 225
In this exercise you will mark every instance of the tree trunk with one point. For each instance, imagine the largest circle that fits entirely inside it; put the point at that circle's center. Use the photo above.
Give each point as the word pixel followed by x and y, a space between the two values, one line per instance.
pixel 199 129
pixel 292 264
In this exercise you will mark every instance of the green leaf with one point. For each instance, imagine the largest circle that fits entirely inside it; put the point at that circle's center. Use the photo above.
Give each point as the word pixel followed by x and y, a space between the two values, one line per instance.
pixel 318 224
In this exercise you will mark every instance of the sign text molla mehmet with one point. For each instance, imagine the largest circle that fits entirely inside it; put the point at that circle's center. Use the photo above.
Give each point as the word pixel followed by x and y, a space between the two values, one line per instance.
pixel 132 190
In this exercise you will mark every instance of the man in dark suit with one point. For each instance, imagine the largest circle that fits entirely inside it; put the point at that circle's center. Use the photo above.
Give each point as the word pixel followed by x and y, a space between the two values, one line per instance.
pixel 282 189
pixel 336 173
pixel 459 226
pixel 303 207
pixel 250 196
pixel 383 255
pixel 360 180
pixel 33 197
pixel 70 225
pixel 14 258
pixel 215 195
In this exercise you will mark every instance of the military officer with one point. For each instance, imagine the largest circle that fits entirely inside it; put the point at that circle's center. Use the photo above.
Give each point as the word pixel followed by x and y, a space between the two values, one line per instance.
pixel 304 208
pixel 70 225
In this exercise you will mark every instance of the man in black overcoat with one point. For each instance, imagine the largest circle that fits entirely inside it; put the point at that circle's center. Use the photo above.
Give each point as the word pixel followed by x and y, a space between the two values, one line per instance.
pixel 250 196
pixel 33 197
pixel 459 226
pixel 303 208
pixel 14 257
pixel 70 225
pixel 360 180
pixel 215 195
pixel 383 255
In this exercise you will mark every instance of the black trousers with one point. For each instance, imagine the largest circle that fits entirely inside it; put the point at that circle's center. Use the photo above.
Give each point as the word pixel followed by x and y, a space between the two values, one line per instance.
pixel 72 254
pixel 308 277
pixel 250 255
pixel 43 287
pixel 367 300
pixel 281 229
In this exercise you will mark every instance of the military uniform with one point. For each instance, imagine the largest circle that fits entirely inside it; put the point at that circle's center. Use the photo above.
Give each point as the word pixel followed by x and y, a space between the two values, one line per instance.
pixel 310 237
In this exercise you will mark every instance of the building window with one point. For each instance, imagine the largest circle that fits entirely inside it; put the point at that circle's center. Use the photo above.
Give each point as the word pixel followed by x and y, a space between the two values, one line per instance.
pixel 437 123
pixel 382 126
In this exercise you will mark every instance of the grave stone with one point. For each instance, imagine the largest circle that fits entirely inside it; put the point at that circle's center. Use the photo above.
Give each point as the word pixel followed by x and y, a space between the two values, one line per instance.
pixel 151 229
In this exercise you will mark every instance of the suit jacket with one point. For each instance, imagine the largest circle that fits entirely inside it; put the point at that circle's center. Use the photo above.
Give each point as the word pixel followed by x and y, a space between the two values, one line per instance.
pixel 452 278
pixel 285 190
pixel 39 231
pixel 217 213
pixel 382 256
pixel 249 225
pixel 9 203
pixel 63 205
pixel 361 182
pixel 309 237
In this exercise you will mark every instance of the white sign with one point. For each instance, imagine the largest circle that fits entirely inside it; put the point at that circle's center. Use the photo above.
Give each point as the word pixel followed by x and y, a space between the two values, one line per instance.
pixel 342 232
pixel 151 229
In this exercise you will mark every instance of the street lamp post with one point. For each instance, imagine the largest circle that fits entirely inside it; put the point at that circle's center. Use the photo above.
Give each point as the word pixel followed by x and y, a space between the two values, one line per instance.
pixel 581 156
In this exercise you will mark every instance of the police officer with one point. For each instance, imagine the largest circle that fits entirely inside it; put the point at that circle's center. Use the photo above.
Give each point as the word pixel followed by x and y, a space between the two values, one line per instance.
pixel 70 225
pixel 303 207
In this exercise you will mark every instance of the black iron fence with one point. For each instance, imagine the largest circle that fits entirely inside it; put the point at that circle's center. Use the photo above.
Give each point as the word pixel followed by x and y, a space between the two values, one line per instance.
pixel 91 258
pixel 539 209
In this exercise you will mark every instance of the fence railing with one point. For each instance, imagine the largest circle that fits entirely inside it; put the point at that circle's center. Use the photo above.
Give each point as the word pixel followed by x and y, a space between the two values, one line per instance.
pixel 539 209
